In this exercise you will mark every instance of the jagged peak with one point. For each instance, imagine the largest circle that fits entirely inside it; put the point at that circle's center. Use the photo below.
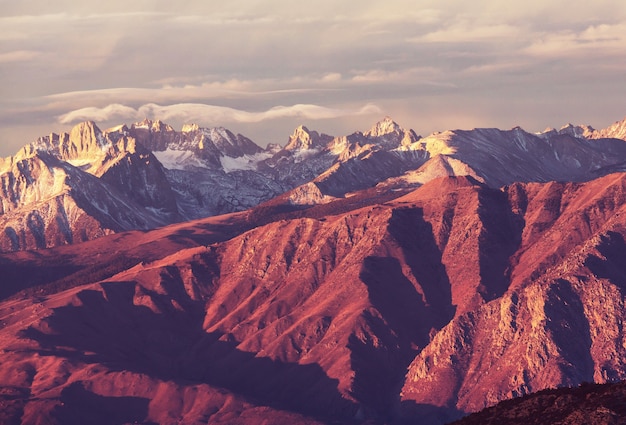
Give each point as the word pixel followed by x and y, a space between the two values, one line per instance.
pixel 85 133
pixel 146 123
pixel 25 152
pixel 86 126
pixel 215 134
pixel 302 138
pixel 219 133
pixel 153 126
pixel 189 128
pixel 620 124
pixel 617 130
pixel 386 126
pixel 302 133
pixel 547 133
pixel 577 130
pixel 301 129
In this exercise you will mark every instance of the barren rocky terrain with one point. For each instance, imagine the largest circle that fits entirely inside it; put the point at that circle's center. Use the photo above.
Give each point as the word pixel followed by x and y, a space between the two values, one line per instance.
pixel 412 305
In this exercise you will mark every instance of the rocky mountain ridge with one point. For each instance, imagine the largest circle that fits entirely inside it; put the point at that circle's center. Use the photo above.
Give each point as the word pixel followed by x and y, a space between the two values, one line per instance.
pixel 148 174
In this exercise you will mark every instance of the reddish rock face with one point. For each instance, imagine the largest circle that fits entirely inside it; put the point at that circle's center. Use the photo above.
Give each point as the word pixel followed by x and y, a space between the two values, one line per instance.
pixel 424 307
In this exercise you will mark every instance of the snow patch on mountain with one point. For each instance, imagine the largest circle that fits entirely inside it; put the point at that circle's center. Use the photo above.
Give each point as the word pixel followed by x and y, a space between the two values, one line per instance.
pixel 102 142
pixel 245 162
pixel 173 159
pixel 217 133
pixel 305 154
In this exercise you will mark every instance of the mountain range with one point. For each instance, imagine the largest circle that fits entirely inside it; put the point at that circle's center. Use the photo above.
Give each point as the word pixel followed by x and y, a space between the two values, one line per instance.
pixel 67 188
pixel 379 277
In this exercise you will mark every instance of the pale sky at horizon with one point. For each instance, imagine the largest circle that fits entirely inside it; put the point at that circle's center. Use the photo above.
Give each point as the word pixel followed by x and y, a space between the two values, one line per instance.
pixel 263 68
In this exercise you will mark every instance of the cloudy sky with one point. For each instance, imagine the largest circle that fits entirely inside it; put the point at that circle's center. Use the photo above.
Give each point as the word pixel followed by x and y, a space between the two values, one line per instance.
pixel 263 67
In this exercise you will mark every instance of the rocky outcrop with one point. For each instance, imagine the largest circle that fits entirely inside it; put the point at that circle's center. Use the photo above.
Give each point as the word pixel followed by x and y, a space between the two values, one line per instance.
pixel 388 131
pixel 38 209
pixel 303 138
pixel 47 202
pixel 68 188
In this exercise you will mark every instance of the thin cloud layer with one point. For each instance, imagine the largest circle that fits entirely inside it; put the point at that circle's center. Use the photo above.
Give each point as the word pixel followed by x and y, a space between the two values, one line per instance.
pixel 430 64
pixel 595 41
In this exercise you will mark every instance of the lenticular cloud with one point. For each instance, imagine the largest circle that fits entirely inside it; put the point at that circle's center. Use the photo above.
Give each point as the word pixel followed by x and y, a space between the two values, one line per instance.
pixel 202 112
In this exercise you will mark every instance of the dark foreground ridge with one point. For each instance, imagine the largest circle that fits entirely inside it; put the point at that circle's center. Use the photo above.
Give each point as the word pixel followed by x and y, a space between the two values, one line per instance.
pixel 586 404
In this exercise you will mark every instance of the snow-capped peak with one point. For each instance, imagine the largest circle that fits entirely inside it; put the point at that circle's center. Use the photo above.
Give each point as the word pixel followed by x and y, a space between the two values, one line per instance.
pixel 217 134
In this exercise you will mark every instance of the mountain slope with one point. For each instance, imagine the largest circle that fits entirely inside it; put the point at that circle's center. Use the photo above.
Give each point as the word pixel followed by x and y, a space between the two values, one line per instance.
pixel 430 305
pixel 47 202
pixel 557 323
pixel 504 157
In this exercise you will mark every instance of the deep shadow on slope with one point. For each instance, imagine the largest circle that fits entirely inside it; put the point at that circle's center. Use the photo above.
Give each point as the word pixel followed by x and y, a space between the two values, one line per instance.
pixel 20 275
pixel 427 414
pixel 380 362
pixel 421 253
pixel 108 329
pixel 407 320
pixel 570 331
pixel 500 239
pixel 613 267
pixel 36 273
pixel 12 402
pixel 80 406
